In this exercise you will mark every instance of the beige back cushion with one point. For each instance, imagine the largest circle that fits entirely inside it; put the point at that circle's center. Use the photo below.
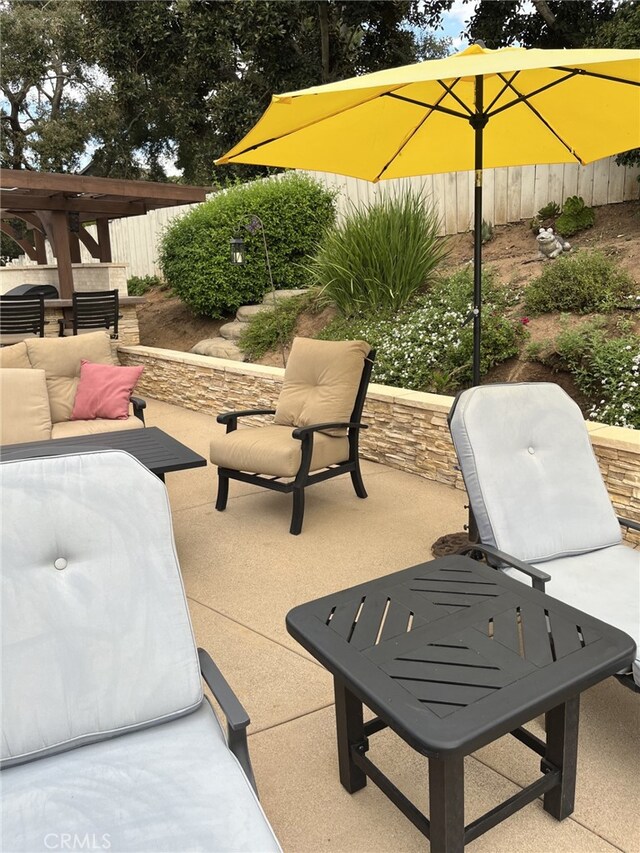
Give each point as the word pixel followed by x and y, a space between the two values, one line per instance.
pixel 15 356
pixel 60 359
pixel 321 382
pixel 24 406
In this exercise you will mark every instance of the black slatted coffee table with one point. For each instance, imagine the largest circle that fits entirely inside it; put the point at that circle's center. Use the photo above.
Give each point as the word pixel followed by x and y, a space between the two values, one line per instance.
pixel 159 452
pixel 452 655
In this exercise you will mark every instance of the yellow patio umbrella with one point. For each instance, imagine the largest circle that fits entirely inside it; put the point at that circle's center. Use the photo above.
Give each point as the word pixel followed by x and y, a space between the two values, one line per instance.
pixel 474 110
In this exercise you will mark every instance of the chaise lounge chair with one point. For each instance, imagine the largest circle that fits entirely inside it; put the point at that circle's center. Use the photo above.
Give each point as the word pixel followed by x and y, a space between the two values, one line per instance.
pixel 107 740
pixel 540 503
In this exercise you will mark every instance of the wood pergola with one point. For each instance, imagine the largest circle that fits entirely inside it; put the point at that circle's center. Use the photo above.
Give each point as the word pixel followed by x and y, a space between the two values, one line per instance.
pixel 58 206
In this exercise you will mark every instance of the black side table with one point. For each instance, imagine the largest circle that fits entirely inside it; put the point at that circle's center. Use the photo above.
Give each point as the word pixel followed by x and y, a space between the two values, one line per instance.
pixel 158 451
pixel 453 655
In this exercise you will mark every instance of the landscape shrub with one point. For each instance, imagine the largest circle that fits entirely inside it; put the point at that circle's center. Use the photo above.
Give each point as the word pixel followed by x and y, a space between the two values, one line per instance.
pixel 606 369
pixel 427 347
pixel 575 216
pixel 269 329
pixel 585 282
pixel 138 285
pixel 549 211
pixel 194 250
pixel 381 255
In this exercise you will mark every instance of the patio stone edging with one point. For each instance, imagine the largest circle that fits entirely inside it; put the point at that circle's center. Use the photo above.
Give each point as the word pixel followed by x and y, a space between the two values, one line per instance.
pixel 407 429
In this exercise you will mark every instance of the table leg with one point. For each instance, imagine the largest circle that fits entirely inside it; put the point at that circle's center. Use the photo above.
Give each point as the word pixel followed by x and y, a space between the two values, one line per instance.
pixel 562 752
pixel 350 730
pixel 446 804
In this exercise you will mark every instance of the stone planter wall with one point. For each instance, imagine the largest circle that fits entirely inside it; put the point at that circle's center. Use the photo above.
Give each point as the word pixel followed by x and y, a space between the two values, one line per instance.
pixel 407 429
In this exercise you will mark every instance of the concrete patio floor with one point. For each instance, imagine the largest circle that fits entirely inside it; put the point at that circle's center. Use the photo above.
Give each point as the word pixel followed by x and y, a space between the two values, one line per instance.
pixel 243 572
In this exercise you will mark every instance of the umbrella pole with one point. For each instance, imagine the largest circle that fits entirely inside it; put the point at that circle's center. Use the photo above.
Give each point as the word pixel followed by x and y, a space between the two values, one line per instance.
pixel 478 122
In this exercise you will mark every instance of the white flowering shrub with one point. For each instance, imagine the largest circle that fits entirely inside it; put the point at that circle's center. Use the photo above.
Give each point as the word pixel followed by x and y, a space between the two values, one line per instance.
pixel 428 347
pixel 607 370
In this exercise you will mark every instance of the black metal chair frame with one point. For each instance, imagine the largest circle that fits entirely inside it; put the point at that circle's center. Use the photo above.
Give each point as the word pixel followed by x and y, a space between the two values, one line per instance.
pixel 305 435
pixel 97 309
pixel 22 315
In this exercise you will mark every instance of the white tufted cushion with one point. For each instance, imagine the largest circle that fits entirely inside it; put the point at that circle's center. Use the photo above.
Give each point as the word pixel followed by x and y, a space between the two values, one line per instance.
pixel 173 788
pixel 603 583
pixel 530 472
pixel 95 630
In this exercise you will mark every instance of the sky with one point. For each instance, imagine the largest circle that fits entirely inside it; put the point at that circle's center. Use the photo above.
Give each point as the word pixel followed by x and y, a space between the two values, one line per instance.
pixel 454 22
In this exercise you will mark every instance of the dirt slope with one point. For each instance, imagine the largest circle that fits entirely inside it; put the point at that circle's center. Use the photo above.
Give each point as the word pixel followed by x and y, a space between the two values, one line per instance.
pixel 166 322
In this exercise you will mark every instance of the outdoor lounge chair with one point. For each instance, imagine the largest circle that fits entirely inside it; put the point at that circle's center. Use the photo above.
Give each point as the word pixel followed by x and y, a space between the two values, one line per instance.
pixel 540 504
pixel 315 430
pixel 107 741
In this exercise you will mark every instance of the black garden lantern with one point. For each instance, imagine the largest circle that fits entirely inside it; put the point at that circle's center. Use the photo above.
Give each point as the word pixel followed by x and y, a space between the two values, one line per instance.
pixel 237 249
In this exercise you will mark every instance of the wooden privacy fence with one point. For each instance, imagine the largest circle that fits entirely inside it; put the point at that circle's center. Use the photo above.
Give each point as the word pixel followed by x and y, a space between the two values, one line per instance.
pixel 509 195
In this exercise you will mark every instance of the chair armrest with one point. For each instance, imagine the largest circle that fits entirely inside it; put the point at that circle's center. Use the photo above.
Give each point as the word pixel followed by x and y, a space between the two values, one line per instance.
pixel 236 716
pixel 627 522
pixel 538 578
pixel 231 418
pixel 138 407
pixel 301 432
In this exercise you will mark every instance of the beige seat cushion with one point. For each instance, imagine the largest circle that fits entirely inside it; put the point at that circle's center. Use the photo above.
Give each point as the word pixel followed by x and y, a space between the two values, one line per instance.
pixel 60 359
pixel 11 340
pixel 67 429
pixel 271 450
pixel 24 406
pixel 15 356
pixel 321 382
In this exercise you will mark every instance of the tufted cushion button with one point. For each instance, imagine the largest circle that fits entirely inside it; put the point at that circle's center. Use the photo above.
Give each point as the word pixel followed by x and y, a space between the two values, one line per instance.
pixel 60 563
pixel 531 450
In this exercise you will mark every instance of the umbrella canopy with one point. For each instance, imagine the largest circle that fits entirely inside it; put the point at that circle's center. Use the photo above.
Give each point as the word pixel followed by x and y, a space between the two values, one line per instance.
pixel 476 109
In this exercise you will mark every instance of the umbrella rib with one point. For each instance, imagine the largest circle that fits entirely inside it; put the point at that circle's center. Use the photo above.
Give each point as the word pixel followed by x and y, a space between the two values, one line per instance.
pixel 523 99
pixel 449 91
pixel 432 108
pixel 501 93
pixel 584 72
pixel 305 126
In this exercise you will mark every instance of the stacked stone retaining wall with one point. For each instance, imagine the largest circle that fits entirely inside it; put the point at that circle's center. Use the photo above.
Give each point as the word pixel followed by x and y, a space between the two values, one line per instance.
pixel 407 429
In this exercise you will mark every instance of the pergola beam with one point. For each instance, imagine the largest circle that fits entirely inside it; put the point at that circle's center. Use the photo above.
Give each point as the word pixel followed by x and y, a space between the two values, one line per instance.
pixel 46 200
pixel 169 193
pixel 87 208
pixel 10 231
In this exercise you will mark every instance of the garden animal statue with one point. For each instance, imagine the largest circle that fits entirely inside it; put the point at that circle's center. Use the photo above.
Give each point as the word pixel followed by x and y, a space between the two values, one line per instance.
pixel 551 245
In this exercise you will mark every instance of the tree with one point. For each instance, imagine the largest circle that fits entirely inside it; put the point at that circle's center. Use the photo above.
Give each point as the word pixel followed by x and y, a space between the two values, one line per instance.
pixel 129 84
pixel 201 73
pixel 552 24
pixel 46 79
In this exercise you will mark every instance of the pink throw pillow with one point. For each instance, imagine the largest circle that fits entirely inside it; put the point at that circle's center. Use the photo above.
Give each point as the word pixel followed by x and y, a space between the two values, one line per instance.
pixel 104 391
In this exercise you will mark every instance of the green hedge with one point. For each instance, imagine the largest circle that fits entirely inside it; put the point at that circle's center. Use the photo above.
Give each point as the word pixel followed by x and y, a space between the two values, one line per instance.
pixel 194 250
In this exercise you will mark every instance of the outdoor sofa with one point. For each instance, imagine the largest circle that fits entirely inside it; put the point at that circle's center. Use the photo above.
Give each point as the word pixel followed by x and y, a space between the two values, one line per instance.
pixel 39 380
